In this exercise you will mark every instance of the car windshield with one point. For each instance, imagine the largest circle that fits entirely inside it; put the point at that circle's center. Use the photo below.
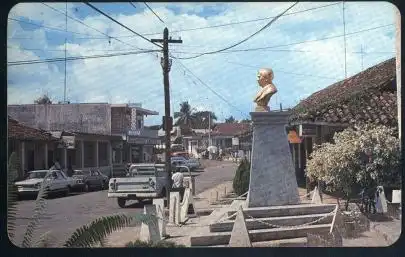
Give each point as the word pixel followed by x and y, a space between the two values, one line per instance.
pixel 38 174
pixel 80 173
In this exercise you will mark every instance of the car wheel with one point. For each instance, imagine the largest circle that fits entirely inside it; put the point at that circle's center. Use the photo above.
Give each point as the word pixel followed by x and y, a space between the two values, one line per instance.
pixel 67 191
pixel 86 187
pixel 121 202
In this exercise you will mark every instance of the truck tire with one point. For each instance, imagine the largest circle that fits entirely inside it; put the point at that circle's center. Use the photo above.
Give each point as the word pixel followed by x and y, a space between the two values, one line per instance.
pixel 121 202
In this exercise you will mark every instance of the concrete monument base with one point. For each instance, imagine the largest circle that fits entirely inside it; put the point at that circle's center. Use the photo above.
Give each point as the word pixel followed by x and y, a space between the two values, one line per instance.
pixel 272 175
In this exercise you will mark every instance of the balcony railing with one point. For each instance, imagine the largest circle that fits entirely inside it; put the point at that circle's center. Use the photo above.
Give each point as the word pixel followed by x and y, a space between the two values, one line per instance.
pixel 144 132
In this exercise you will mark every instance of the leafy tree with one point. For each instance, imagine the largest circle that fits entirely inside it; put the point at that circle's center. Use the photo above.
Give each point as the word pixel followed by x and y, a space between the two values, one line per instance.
pixel 231 119
pixel 202 117
pixel 242 176
pixel 364 156
pixel 43 100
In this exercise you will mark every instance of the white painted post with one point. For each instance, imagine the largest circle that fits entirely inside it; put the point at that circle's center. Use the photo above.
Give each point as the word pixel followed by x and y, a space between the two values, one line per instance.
pixel 82 153
pixel 160 210
pixel 46 155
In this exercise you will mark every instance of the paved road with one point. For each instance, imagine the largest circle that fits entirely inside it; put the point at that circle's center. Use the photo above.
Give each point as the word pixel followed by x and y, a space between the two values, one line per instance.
pixel 64 215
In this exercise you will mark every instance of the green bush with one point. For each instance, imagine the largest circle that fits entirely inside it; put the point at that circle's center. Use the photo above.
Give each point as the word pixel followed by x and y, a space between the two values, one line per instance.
pixel 160 244
pixel 242 177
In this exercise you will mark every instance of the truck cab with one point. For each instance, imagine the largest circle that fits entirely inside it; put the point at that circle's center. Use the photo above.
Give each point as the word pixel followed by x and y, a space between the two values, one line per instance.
pixel 143 181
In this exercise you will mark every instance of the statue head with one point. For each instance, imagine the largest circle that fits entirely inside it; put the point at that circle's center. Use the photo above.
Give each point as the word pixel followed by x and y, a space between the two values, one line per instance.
pixel 265 76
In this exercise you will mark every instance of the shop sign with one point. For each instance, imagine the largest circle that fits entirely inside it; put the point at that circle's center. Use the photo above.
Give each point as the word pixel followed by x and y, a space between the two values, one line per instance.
pixel 307 130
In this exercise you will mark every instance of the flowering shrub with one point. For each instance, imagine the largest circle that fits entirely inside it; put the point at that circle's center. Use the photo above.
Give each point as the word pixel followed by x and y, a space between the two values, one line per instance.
pixel 364 156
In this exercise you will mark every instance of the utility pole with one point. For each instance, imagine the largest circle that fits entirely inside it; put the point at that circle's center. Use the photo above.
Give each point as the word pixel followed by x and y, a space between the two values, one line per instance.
pixel 64 86
pixel 209 128
pixel 398 65
pixel 362 57
pixel 166 64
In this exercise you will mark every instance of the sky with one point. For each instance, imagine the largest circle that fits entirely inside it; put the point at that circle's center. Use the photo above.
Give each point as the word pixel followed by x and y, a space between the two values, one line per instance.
pixel 294 46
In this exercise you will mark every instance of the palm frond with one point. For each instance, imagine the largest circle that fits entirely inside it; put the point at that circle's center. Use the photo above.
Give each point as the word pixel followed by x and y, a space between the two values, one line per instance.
pixel 39 210
pixel 45 240
pixel 99 229
pixel 12 174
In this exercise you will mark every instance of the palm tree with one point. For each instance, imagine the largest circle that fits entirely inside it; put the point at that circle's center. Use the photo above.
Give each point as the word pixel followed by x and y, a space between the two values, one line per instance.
pixel 85 236
pixel 185 116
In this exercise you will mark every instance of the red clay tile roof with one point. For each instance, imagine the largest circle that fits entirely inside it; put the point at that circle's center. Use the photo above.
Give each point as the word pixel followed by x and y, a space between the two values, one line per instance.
pixel 230 129
pixel 20 132
pixel 369 96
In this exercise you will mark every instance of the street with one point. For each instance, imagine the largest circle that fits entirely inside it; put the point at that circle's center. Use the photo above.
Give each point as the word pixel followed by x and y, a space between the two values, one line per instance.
pixel 64 215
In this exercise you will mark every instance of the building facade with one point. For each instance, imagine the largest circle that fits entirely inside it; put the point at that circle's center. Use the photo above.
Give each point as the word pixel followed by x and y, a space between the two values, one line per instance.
pixel 92 135
pixel 367 97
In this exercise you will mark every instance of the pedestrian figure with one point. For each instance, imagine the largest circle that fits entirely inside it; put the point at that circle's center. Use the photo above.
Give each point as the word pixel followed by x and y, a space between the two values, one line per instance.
pixel 177 179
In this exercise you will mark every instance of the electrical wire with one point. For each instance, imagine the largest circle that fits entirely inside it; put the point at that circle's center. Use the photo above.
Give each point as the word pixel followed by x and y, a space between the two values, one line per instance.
pixel 47 27
pixel 84 24
pixel 212 90
pixel 157 16
pixel 76 58
pixel 281 71
pixel 244 40
pixel 122 25
pixel 305 41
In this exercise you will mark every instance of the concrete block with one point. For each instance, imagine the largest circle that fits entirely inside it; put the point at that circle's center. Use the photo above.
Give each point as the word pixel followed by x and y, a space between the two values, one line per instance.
pixel 240 235
pixel 396 196
pixel 272 175
pixel 150 232
pixel 159 203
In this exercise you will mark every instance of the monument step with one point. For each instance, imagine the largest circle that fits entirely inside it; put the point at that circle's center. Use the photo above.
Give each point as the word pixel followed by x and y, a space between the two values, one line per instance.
pixel 260 235
pixel 286 210
pixel 264 223
pixel 292 242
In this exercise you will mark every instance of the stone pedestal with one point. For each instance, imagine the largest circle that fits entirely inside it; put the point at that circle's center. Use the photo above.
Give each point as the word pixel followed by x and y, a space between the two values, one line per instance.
pixel 272 175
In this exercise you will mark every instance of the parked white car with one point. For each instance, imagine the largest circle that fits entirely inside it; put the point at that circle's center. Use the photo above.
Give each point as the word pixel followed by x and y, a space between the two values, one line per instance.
pixel 143 181
pixel 57 182
pixel 192 163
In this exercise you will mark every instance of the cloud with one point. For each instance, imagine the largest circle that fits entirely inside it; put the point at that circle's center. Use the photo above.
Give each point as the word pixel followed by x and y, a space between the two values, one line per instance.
pixel 299 71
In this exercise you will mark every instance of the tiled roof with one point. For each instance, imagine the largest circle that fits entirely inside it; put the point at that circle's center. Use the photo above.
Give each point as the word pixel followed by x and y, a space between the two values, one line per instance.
pixel 21 132
pixel 230 129
pixel 369 96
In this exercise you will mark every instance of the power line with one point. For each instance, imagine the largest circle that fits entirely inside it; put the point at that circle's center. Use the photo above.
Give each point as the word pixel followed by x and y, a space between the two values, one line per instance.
pixel 305 41
pixel 244 40
pixel 238 22
pixel 209 88
pixel 216 26
pixel 84 24
pixel 344 36
pixel 47 27
pixel 157 16
pixel 132 4
pixel 76 58
pixel 122 25
pixel 281 71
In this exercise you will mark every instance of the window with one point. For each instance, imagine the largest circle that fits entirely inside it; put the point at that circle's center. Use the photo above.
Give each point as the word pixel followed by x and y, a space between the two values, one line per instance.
pixel 139 124
pixel 103 154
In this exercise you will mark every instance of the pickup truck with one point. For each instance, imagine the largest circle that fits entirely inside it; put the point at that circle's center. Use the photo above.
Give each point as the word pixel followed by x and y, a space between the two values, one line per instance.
pixel 143 181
